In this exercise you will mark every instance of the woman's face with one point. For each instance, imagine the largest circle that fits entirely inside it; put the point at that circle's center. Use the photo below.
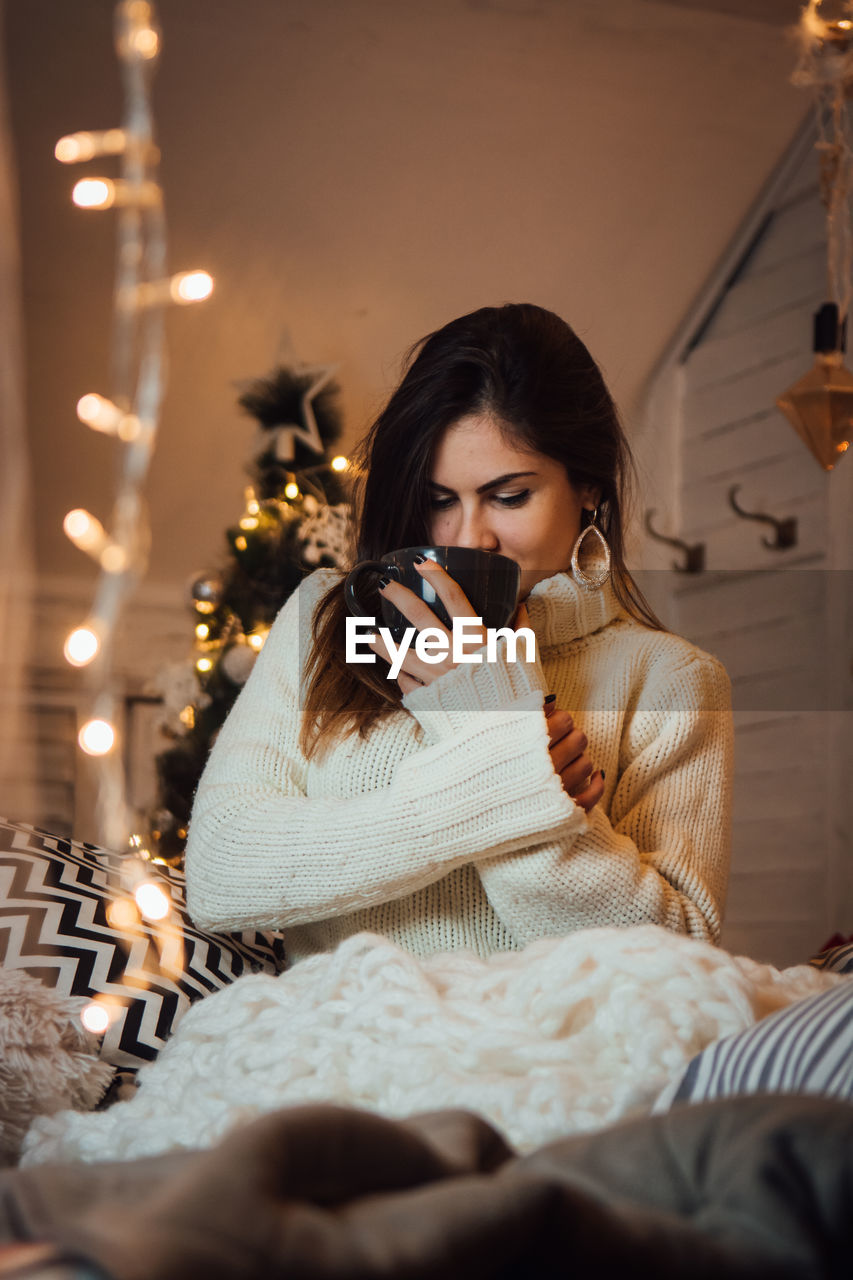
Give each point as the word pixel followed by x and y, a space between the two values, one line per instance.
pixel 486 493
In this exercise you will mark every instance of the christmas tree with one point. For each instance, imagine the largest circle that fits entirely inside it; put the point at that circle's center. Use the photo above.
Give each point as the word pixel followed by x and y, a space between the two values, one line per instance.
pixel 296 518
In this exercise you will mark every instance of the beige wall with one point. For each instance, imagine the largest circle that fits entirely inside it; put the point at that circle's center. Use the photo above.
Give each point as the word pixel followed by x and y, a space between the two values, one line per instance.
pixel 359 171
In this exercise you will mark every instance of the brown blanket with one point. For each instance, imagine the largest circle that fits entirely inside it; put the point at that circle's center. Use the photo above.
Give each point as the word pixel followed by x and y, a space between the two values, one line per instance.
pixel 755 1188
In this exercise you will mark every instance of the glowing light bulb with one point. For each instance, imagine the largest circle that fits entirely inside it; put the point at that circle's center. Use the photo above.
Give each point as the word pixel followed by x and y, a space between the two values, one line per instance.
pixel 249 522
pixel 114 559
pixel 202 630
pixel 153 902
pixel 103 193
pixel 77 522
pixel 85 531
pixel 122 914
pixel 129 429
pixel 204 664
pixel 256 640
pixel 291 490
pixel 81 646
pixel 191 286
pixel 94 193
pixel 95 1018
pixel 187 716
pixel 76 147
pixel 340 463
pixel 72 148
pixel 96 737
pixel 99 413
pixel 240 543
pixel 145 43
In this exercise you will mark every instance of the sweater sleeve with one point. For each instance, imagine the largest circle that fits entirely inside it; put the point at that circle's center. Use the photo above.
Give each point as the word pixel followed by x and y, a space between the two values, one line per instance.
pixel 264 853
pixel 656 848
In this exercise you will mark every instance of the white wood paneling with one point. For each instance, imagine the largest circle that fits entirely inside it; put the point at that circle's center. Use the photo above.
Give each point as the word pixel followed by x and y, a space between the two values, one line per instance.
pixel 780 620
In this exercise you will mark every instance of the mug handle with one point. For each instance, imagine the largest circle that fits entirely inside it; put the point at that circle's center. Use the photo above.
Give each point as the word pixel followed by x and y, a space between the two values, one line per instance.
pixel 352 601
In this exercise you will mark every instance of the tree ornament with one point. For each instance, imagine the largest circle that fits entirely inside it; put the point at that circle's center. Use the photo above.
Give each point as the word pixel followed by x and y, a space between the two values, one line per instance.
pixel 206 593
pixel 298 421
pixel 237 662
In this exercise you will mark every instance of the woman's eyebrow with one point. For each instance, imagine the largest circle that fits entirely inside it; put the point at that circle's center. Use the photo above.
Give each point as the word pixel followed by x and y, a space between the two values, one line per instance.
pixel 490 484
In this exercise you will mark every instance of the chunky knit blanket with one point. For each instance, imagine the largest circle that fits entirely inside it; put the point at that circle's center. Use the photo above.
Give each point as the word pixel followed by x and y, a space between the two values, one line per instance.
pixel 569 1034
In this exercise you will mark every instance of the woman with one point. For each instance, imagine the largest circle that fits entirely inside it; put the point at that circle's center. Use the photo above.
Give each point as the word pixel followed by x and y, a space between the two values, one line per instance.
pixel 484 805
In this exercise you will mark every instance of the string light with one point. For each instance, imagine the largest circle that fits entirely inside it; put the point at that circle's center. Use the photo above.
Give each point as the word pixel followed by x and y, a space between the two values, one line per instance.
pixel 81 646
pixel 101 414
pixel 339 463
pixel 256 640
pixel 191 286
pixel 113 558
pixel 75 148
pixel 107 193
pixel 184 288
pixel 202 630
pixel 95 1017
pixel 204 664
pixel 131 412
pixel 85 531
pixel 97 737
pixel 122 914
pixel 153 902
pixel 291 489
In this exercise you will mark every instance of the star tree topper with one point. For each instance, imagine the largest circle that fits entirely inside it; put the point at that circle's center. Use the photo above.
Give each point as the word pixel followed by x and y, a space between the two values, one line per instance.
pixel 285 436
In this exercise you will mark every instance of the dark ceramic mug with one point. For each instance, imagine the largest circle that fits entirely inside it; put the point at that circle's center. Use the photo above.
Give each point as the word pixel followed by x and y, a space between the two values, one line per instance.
pixel 490 581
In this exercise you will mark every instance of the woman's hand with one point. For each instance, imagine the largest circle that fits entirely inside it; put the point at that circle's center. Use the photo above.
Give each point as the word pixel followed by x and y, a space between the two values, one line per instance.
pixel 414 672
pixel 580 779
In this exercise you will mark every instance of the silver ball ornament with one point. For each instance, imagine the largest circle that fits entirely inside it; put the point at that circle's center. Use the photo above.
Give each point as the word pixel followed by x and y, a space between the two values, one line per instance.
pixel 205 592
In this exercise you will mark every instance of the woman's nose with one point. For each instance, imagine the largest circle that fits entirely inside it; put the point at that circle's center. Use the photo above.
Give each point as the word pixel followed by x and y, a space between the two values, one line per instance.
pixel 474 531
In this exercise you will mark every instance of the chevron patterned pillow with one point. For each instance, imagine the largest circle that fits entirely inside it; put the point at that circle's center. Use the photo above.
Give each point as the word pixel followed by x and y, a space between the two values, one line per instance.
pixel 68 917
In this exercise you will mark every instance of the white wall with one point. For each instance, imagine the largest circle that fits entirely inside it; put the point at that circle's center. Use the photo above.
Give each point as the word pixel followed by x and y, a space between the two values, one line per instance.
pixel 359 171
pixel 356 172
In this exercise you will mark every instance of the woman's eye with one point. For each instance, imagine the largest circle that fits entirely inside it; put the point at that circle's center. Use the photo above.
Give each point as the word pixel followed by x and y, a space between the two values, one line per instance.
pixel 440 504
pixel 512 499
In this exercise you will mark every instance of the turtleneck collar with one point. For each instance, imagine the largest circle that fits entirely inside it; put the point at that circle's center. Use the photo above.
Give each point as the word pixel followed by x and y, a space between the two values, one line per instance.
pixel 561 610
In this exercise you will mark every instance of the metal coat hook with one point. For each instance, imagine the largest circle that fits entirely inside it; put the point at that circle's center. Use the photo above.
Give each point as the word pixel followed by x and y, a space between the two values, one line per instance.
pixel 785 534
pixel 694 554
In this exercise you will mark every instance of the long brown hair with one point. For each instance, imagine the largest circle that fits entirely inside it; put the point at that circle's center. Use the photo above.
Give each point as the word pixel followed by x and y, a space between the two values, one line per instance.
pixel 525 367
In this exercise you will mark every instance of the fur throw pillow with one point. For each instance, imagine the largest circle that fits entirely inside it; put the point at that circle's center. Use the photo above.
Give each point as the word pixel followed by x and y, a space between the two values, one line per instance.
pixel 48 1061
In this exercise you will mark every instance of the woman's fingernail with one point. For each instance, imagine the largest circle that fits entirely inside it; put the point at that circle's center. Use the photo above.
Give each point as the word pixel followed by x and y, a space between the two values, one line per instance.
pixel 550 697
pixel 603 774
pixel 419 559
pixel 383 583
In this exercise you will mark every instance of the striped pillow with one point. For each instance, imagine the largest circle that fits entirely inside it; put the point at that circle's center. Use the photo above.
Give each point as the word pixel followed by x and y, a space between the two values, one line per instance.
pixel 64 919
pixel 804 1048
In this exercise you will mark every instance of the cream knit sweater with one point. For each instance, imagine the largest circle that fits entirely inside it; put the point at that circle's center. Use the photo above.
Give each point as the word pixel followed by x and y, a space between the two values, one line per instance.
pixel 448 827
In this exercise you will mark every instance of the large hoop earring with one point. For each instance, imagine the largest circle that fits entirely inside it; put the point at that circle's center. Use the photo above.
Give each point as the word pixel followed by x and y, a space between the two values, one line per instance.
pixel 599 575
